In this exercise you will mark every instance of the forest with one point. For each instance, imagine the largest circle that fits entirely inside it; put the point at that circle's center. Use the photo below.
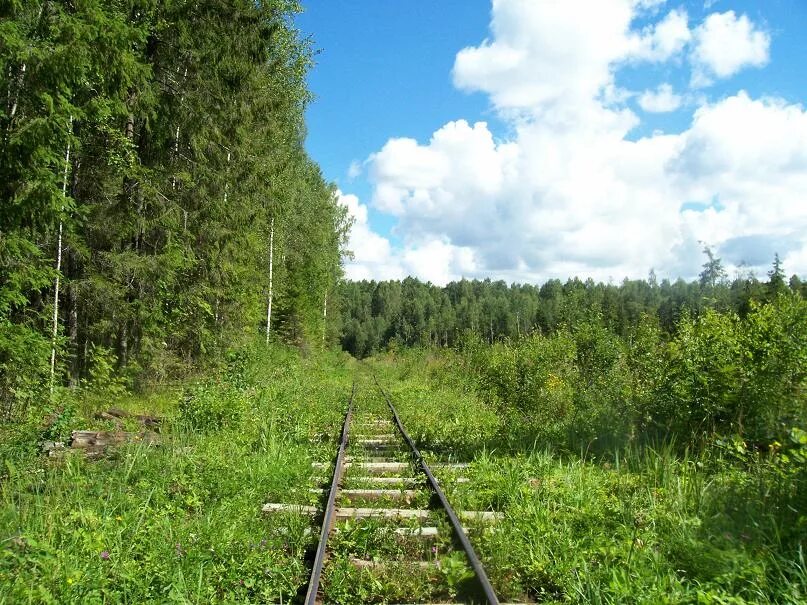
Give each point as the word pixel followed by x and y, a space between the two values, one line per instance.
pixel 156 200
pixel 376 315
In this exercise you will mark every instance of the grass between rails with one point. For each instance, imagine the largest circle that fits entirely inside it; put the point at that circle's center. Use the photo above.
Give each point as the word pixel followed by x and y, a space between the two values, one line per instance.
pixel 637 525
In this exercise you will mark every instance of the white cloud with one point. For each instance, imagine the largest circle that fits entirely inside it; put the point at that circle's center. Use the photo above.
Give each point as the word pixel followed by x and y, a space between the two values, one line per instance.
pixel 664 40
pixel 725 44
pixel 439 262
pixel 354 170
pixel 661 100
pixel 373 257
pixel 542 53
pixel 569 192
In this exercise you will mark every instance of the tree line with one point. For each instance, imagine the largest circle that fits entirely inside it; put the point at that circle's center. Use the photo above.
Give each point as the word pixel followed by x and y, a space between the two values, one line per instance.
pixel 376 315
pixel 151 165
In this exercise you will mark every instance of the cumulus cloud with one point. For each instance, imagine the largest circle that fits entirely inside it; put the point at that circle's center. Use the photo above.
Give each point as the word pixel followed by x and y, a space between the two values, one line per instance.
pixel 569 191
pixel 725 44
pixel 662 99
pixel 542 53
pixel 371 254
pixel 664 40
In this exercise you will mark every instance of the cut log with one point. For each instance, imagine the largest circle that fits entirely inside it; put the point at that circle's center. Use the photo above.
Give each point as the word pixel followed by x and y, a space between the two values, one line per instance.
pixel 119 414
pixel 54 449
pixel 377 494
pixel 388 480
pixel 399 480
pixel 383 448
pixel 89 439
pixel 370 467
pixel 411 513
pixel 376 442
pixel 418 532
pixel 370 459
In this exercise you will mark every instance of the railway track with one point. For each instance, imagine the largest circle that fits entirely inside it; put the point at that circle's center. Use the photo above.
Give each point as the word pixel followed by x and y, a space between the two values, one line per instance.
pixel 382 490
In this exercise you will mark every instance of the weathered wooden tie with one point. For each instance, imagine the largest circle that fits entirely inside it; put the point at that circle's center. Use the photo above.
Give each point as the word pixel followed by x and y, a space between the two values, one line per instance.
pixel 385 467
pixel 383 513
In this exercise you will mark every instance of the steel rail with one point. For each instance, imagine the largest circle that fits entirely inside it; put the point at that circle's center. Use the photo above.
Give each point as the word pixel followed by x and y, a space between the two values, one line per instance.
pixel 330 509
pixel 476 564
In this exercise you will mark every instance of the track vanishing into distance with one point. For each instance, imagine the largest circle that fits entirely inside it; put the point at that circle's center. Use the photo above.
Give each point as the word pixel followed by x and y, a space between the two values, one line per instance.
pixel 379 466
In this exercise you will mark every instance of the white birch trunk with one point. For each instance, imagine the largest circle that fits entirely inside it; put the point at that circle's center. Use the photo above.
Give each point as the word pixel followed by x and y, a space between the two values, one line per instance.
pixel 55 330
pixel 21 80
pixel 271 267
pixel 227 184
pixel 325 318
pixel 176 139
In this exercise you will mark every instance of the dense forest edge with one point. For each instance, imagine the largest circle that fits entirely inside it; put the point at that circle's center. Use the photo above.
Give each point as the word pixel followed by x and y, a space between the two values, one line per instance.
pixel 377 315
pixel 158 205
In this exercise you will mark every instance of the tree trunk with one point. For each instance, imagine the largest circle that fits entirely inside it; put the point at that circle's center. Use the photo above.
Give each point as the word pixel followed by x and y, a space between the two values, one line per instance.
pixel 13 105
pixel 123 345
pixel 227 183
pixel 72 296
pixel 271 262
pixel 13 108
pixel 55 330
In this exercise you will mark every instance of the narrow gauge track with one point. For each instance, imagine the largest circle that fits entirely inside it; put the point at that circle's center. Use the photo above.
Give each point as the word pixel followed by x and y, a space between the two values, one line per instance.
pixel 380 440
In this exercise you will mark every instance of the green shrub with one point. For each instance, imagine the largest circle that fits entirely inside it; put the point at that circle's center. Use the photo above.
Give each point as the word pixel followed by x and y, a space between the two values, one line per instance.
pixel 775 353
pixel 207 407
pixel 103 376
pixel 24 369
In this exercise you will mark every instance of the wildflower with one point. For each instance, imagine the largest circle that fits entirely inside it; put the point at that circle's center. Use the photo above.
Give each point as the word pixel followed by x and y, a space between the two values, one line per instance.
pixel 70 581
pixel 105 555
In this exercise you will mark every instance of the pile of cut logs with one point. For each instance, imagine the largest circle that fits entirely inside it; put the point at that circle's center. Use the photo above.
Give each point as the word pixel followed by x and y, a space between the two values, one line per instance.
pixel 97 444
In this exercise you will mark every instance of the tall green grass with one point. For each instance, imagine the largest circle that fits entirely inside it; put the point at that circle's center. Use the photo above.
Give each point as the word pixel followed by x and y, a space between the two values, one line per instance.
pixel 180 522
pixel 643 522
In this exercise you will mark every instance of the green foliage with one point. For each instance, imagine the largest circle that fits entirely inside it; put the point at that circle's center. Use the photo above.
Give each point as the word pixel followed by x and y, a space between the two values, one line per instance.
pixel 162 140
pixel 60 423
pixel 24 370
pixel 723 522
pixel 629 524
pixel 409 312
pixel 102 375
pixel 208 407
pixel 586 387
pixel 179 522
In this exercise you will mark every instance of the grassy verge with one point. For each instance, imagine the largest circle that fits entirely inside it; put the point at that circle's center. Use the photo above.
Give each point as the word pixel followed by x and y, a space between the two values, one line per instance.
pixel 634 525
pixel 178 522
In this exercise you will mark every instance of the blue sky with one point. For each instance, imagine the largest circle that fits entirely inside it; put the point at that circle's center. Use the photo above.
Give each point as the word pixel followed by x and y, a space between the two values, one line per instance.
pixel 386 84
pixel 384 71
